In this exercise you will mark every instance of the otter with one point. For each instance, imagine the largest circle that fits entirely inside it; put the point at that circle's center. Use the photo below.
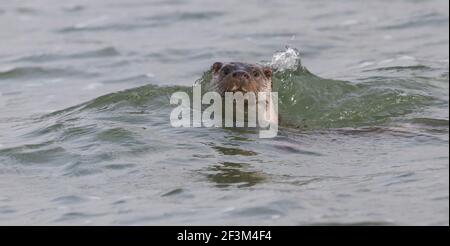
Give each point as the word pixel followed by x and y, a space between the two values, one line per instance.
pixel 239 76
pixel 245 77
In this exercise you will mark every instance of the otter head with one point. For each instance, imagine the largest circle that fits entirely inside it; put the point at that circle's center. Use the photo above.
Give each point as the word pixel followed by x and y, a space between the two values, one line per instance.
pixel 243 77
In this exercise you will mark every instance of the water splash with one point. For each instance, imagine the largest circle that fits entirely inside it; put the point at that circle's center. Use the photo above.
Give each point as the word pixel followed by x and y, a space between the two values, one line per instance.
pixel 308 101
pixel 288 59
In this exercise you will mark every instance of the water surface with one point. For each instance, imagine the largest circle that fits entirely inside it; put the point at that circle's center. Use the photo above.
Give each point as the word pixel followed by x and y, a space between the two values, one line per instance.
pixel 84 114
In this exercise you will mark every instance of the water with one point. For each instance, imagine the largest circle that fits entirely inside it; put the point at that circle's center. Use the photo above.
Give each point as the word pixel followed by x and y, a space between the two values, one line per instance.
pixel 84 125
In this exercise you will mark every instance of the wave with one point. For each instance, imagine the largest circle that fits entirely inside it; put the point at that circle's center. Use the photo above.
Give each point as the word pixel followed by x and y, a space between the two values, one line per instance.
pixel 33 72
pixel 306 101
pixel 46 57
pixel 120 125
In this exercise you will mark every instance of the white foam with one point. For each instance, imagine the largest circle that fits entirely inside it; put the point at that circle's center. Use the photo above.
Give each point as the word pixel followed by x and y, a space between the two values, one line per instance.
pixel 365 64
pixel 229 209
pixel 91 22
pixel 350 23
pixel 92 86
pixel 150 75
pixel 275 216
pixel 407 58
pixel 287 59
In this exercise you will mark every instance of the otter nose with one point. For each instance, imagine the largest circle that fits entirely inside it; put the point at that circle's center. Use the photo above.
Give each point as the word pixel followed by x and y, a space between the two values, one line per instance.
pixel 241 75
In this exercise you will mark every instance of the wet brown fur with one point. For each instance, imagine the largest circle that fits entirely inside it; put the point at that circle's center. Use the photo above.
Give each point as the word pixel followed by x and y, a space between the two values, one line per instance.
pixel 239 76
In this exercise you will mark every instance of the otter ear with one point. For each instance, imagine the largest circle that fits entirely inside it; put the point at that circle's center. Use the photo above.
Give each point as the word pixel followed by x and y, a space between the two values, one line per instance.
pixel 268 72
pixel 216 66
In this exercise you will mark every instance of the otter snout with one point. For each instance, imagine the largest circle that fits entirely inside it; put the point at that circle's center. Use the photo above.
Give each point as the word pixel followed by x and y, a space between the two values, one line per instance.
pixel 239 81
pixel 241 75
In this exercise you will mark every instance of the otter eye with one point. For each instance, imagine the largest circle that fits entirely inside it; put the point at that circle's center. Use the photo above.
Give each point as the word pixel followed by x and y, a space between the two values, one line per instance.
pixel 255 73
pixel 225 70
